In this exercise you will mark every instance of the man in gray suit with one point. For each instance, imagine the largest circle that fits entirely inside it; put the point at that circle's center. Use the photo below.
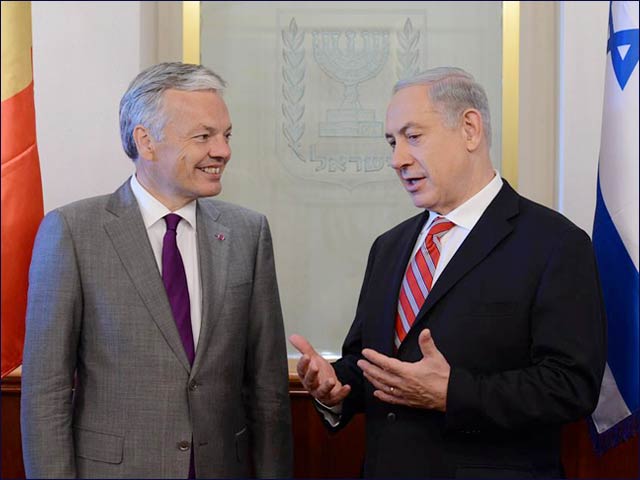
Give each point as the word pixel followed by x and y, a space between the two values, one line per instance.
pixel 160 309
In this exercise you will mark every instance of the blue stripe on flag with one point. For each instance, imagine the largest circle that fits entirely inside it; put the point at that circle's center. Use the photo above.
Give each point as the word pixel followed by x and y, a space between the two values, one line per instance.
pixel 620 285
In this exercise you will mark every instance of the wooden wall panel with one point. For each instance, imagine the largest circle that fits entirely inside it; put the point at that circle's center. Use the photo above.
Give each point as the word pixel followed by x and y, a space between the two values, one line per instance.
pixel 11 446
pixel 317 454
pixel 581 461
pixel 320 454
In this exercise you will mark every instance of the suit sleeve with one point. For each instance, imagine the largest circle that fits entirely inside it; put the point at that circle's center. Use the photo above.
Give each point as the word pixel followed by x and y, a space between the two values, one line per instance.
pixel 54 312
pixel 568 353
pixel 346 368
pixel 266 386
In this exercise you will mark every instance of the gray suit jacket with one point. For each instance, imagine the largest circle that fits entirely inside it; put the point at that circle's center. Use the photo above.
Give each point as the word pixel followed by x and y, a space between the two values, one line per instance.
pixel 98 319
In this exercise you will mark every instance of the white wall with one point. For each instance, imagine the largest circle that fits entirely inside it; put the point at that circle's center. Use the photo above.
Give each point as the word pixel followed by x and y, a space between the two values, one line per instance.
pixel 85 54
pixel 582 55
pixel 537 127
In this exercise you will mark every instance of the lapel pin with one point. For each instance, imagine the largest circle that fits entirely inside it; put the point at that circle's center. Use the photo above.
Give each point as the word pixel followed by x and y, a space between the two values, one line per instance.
pixel 220 236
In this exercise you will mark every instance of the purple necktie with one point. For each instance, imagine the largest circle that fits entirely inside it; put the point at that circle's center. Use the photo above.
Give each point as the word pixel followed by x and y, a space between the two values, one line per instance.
pixel 175 282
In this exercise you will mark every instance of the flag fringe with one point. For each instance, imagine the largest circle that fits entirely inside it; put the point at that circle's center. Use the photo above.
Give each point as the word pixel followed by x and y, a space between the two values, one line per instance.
pixel 614 436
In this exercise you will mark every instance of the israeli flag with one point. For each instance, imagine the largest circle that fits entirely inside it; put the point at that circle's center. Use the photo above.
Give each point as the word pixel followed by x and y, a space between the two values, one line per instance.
pixel 615 231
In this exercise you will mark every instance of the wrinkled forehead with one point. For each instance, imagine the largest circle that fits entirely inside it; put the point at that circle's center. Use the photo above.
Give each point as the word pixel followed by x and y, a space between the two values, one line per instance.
pixel 185 110
pixel 409 104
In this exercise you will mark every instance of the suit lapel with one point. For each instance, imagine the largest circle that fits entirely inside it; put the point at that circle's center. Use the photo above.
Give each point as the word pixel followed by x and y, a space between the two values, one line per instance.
pixel 214 240
pixel 491 228
pixel 131 242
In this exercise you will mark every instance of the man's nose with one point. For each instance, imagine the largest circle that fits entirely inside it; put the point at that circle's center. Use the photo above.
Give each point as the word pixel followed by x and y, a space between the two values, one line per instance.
pixel 400 158
pixel 220 148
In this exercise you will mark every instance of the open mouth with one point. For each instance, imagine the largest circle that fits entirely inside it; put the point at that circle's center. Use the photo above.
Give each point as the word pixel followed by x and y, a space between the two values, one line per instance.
pixel 413 180
pixel 413 184
pixel 214 170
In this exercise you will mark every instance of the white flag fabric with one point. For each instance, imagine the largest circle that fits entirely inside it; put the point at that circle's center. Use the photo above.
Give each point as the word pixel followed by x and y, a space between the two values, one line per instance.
pixel 615 231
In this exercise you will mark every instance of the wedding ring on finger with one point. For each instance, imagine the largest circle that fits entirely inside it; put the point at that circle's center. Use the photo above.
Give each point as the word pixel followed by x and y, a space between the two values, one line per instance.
pixel 391 389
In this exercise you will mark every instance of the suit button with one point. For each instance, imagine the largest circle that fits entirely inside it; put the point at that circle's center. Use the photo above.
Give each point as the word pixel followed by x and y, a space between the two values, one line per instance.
pixel 193 386
pixel 183 446
pixel 391 417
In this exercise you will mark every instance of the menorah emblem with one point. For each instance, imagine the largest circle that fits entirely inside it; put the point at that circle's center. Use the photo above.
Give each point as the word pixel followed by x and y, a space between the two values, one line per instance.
pixel 351 58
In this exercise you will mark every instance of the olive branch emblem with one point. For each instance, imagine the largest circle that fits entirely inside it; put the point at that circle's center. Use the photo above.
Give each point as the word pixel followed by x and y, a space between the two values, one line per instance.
pixel 293 72
pixel 408 52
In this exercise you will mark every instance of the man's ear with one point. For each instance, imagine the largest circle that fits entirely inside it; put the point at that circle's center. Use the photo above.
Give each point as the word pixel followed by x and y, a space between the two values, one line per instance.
pixel 144 142
pixel 472 128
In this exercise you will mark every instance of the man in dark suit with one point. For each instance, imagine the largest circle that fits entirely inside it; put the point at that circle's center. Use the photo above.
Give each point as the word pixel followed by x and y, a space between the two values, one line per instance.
pixel 509 344
pixel 160 307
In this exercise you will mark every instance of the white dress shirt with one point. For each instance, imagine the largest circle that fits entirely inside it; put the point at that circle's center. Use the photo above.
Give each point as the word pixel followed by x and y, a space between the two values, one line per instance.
pixel 153 212
pixel 465 218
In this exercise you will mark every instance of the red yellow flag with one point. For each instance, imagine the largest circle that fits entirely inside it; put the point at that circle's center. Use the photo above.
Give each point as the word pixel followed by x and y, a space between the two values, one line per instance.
pixel 22 207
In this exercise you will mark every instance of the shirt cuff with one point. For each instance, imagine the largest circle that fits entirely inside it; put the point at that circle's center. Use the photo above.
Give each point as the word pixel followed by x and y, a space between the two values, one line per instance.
pixel 331 414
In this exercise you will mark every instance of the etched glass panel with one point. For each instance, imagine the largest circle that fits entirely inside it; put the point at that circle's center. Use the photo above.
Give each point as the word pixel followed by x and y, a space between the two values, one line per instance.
pixel 308 88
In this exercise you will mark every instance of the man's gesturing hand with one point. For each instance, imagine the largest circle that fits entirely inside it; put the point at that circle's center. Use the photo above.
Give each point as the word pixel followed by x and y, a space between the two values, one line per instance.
pixel 422 384
pixel 317 375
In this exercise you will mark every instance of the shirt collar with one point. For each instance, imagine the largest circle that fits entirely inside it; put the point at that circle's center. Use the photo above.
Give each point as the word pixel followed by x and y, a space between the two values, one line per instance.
pixel 153 210
pixel 468 214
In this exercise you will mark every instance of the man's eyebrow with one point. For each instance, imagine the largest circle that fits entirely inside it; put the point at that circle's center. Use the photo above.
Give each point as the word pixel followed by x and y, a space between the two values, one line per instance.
pixel 211 129
pixel 402 130
pixel 202 126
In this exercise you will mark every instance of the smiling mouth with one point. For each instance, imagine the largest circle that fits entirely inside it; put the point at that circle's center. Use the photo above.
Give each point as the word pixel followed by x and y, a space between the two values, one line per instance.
pixel 214 170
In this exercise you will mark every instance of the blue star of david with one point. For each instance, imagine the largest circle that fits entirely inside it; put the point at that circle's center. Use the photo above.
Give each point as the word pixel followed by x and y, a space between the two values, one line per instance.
pixel 623 68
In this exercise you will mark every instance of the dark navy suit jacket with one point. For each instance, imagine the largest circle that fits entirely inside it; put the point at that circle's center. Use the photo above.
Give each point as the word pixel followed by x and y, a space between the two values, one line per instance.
pixel 518 315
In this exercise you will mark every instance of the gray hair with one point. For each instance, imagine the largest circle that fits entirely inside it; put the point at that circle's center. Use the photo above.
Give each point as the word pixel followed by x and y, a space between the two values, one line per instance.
pixel 455 90
pixel 142 102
